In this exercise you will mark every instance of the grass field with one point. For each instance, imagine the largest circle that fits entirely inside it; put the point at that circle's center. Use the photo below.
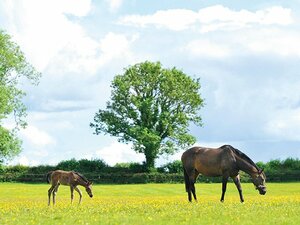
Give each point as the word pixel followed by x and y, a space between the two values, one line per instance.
pixel 150 204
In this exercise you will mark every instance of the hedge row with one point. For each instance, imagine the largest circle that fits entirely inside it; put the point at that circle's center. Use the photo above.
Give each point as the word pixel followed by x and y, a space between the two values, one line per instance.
pixel 143 178
pixel 99 172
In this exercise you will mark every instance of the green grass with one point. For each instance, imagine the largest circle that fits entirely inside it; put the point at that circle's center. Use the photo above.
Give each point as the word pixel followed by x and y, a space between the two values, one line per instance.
pixel 150 204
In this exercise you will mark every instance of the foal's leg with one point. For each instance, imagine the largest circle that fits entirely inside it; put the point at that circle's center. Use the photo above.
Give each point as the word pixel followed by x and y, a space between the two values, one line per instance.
pixel 224 185
pixel 50 192
pixel 56 188
pixel 80 194
pixel 54 192
pixel 237 183
pixel 72 193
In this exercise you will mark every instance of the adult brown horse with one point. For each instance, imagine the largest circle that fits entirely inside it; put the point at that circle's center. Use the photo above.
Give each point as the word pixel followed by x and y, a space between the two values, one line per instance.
pixel 70 178
pixel 225 161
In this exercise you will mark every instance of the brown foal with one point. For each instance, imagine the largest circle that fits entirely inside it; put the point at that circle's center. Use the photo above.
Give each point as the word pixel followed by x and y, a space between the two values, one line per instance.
pixel 69 178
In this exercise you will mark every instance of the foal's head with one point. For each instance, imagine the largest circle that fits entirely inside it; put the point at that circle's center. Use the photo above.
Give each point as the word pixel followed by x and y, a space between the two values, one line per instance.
pixel 88 188
pixel 259 180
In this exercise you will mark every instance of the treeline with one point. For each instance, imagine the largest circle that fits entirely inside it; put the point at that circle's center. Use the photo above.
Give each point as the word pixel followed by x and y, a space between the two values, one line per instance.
pixel 99 172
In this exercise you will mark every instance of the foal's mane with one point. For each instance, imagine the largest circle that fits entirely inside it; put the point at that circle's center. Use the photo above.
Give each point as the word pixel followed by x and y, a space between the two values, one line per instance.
pixel 241 155
pixel 81 176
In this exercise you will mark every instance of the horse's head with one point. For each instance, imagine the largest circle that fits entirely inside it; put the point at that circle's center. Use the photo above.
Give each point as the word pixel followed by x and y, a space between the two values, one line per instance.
pixel 88 188
pixel 259 180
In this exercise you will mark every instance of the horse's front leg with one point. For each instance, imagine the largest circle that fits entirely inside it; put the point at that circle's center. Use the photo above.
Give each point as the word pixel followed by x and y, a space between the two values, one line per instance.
pixel 80 194
pixel 237 183
pixel 224 185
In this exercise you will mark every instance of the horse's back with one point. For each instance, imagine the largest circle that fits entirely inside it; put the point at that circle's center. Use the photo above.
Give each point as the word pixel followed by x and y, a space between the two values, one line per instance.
pixel 207 161
pixel 202 152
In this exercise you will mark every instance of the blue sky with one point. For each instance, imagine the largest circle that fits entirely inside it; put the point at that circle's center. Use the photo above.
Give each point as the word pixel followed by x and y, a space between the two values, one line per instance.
pixel 247 56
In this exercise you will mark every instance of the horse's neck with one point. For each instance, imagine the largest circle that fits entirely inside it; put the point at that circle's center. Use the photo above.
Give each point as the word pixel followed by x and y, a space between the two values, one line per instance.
pixel 81 182
pixel 246 166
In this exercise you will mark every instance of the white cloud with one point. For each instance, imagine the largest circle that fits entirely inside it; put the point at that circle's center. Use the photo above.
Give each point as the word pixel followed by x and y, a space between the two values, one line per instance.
pixel 64 105
pixel 114 46
pixel 173 19
pixel 37 137
pixel 51 39
pixel 25 161
pixel 114 5
pixel 86 56
pixel 207 48
pixel 282 43
pixel 210 18
pixel 221 18
pixel 285 125
pixel 279 42
pixel 118 152
pixel 42 28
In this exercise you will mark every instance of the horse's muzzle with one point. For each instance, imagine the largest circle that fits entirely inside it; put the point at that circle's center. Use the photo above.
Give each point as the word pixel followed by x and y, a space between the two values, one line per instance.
pixel 262 190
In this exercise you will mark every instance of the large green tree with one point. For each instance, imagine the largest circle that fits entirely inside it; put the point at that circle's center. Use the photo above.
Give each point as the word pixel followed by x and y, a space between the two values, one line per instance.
pixel 151 107
pixel 13 69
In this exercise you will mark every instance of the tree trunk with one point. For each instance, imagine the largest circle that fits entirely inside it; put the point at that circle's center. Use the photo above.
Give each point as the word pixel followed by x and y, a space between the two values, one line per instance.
pixel 151 155
pixel 150 161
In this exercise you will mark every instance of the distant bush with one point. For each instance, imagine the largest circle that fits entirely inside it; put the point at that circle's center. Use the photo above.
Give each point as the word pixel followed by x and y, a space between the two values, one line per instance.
pixel 172 167
pixel 291 164
pixel 41 169
pixel 83 165
pixel 17 169
pixel 274 164
pixel 129 167
pixel 71 164
pixel 2 169
pixel 91 165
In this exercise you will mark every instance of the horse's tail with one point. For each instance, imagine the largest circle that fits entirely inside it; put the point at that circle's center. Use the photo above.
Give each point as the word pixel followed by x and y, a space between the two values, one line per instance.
pixel 186 179
pixel 49 177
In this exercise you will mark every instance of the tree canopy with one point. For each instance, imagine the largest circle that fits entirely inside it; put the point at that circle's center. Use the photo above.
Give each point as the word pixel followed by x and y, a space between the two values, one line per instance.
pixel 152 108
pixel 13 69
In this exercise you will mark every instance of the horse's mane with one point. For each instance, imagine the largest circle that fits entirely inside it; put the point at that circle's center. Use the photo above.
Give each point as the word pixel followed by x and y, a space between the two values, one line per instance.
pixel 81 176
pixel 241 155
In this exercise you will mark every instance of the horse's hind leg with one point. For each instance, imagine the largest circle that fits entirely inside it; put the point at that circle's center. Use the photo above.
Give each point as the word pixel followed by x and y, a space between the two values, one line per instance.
pixel 187 184
pixel 193 189
pixel 190 183
pixel 224 185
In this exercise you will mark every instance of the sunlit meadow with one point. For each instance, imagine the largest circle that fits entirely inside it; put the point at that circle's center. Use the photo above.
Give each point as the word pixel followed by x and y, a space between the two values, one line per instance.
pixel 150 204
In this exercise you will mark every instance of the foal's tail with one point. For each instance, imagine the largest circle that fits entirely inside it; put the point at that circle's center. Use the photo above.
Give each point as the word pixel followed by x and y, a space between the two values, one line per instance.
pixel 49 177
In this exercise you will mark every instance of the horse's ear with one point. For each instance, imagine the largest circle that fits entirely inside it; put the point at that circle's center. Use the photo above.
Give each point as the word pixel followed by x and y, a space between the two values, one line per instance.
pixel 260 171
